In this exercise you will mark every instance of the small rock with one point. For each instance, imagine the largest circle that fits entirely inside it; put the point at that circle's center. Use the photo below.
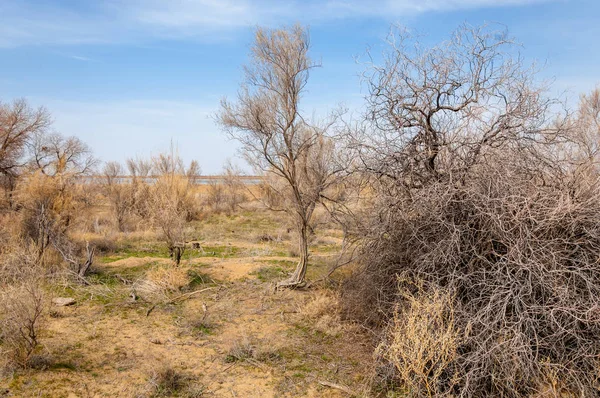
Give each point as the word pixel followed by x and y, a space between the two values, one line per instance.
pixel 63 301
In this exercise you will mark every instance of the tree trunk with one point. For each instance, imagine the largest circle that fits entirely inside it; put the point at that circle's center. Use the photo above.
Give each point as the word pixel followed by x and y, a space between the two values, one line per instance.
pixel 297 278
pixel 85 267
pixel 176 253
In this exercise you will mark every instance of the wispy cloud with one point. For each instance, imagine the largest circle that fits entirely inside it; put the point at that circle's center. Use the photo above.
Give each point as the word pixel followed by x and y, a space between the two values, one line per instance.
pixel 30 22
pixel 80 58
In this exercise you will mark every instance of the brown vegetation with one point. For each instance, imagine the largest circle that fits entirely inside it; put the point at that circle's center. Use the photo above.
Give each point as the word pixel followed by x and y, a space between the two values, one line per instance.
pixel 477 206
pixel 461 213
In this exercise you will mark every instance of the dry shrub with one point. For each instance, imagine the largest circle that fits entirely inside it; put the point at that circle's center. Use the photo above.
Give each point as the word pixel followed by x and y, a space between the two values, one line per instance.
pixel 160 282
pixel 227 194
pixel 250 349
pixel 170 382
pixel 518 250
pixel 173 203
pixel 22 311
pixel 241 349
pixel 215 196
pixel 482 188
pixel 104 244
pixel 18 262
pixel 421 343
pixel 322 313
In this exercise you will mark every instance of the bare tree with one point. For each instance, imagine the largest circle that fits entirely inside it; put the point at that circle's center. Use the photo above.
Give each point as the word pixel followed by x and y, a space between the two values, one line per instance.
pixel 119 193
pixel 19 123
pixel 275 137
pixel 171 200
pixel 473 201
pixel 55 154
pixel 435 112
pixel 51 196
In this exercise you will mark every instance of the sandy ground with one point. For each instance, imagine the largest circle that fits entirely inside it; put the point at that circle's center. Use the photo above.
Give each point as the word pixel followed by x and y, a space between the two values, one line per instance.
pixel 107 346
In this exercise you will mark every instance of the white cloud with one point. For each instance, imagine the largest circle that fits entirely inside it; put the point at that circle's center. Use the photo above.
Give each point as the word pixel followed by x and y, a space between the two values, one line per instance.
pixel 25 23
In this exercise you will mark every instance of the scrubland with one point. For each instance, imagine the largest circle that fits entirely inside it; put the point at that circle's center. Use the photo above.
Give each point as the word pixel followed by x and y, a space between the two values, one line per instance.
pixel 212 326
pixel 445 244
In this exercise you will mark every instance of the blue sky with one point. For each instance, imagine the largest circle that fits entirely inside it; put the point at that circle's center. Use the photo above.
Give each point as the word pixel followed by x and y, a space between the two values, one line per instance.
pixel 129 76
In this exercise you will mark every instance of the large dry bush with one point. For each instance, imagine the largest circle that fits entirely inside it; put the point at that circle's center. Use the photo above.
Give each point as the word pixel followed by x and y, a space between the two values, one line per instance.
pixel 50 196
pixel 48 208
pixel 520 259
pixel 476 197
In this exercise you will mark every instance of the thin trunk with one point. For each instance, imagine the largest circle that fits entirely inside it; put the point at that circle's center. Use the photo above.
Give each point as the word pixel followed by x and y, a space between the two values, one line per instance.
pixel 176 252
pixel 297 278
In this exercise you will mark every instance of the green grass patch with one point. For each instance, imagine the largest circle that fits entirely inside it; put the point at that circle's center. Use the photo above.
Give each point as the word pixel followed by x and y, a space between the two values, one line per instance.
pixel 157 251
pixel 327 249
pixel 63 366
pixel 269 273
pixel 219 251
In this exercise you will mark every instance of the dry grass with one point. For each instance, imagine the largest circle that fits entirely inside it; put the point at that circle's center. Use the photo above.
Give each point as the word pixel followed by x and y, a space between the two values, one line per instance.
pixel 161 281
pixel 422 342
pixel 241 349
pixel 22 316
pixel 322 313
pixel 107 345
pixel 170 382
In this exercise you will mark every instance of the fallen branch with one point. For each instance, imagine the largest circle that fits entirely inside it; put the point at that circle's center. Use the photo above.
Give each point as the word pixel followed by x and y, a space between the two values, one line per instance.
pixel 337 387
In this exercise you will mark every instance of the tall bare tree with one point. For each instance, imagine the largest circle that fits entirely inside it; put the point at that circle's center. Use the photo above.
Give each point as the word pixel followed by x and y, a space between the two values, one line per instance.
pixel 19 123
pixel 275 137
